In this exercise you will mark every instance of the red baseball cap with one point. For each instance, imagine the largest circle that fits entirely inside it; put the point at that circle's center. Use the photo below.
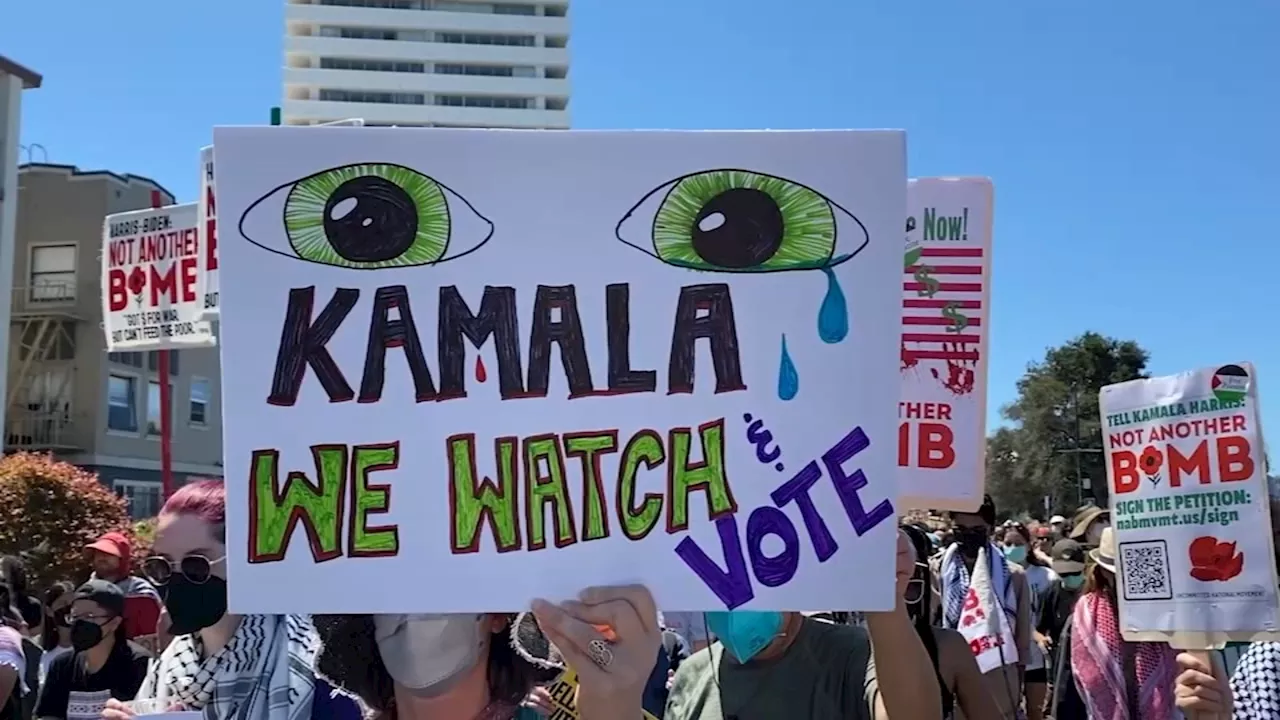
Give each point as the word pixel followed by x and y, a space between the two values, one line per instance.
pixel 112 543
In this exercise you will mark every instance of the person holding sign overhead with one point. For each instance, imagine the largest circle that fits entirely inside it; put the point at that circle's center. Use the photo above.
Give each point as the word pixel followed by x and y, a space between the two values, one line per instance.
pixel 1105 677
pixel 768 665
pixel 482 666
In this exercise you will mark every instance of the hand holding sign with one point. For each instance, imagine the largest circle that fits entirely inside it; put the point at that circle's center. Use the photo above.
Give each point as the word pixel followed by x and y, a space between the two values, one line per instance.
pixel 613 672
pixel 1203 692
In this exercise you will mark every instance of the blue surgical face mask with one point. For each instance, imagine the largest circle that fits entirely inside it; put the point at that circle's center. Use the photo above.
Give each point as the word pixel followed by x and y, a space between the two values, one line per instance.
pixel 1072 582
pixel 744 633
pixel 1016 553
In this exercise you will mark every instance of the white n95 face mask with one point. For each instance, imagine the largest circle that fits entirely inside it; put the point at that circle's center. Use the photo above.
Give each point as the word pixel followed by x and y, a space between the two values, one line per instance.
pixel 426 653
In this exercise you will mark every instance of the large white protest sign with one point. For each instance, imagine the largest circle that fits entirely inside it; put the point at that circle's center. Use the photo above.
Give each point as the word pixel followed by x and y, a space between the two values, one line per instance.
pixel 514 364
pixel 946 300
pixel 152 283
pixel 1190 506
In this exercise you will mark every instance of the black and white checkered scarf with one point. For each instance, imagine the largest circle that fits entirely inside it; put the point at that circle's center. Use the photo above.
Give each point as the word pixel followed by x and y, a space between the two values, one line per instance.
pixel 1255 684
pixel 263 673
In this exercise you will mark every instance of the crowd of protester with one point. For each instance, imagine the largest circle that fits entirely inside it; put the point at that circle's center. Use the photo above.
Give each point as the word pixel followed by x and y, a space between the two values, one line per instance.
pixel 149 635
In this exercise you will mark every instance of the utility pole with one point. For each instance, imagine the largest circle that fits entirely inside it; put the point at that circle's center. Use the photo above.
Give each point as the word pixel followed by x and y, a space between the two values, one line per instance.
pixel 1076 448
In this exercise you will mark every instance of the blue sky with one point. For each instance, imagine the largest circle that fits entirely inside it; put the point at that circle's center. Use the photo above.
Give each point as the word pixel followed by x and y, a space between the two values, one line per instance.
pixel 1133 144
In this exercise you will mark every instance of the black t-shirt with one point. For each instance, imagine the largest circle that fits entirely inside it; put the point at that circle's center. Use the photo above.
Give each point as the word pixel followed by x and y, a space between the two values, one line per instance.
pixel 70 691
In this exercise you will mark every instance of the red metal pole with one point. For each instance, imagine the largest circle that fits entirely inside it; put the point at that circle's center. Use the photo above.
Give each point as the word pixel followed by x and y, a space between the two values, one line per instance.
pixel 166 403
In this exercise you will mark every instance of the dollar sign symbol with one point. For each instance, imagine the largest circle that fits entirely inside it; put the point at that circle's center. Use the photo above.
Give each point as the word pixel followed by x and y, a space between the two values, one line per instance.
pixel 929 285
pixel 958 321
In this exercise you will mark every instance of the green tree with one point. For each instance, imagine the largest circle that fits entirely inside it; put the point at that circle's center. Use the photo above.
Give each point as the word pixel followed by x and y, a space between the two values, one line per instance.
pixel 1056 432
pixel 51 510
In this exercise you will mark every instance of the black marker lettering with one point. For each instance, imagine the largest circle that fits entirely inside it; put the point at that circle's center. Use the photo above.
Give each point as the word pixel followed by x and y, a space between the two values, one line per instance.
pixel 302 343
pixel 387 333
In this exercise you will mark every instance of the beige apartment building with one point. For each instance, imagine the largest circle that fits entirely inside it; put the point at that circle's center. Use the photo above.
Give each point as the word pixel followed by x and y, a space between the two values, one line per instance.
pixel 66 394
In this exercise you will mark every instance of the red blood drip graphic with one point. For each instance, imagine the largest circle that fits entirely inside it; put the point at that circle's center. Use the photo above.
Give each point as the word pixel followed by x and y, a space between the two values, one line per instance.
pixel 481 373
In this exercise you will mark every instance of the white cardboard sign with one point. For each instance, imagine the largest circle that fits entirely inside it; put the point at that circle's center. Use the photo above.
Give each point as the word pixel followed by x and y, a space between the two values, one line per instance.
pixel 152 280
pixel 1190 506
pixel 946 300
pixel 521 363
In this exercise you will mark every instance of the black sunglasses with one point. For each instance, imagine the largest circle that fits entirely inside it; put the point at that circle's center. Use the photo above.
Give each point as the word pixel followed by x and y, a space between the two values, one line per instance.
pixel 197 569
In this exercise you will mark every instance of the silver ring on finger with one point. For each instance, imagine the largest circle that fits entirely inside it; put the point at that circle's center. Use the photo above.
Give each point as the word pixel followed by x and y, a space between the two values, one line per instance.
pixel 600 653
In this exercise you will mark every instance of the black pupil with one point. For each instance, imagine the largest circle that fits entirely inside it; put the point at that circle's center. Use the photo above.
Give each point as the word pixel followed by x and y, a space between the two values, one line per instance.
pixel 739 228
pixel 370 219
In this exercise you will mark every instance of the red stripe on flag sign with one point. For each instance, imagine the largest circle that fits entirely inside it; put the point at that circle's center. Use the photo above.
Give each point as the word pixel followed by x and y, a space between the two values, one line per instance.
pixel 938 320
pixel 955 355
pixel 969 252
pixel 946 269
pixel 945 287
pixel 919 302
pixel 940 338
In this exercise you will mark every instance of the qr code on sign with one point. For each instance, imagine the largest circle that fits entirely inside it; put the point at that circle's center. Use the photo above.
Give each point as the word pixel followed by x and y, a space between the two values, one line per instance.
pixel 1144 568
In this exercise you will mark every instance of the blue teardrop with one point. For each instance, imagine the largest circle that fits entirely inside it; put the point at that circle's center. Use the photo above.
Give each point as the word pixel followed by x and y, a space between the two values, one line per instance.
pixel 833 316
pixel 788 378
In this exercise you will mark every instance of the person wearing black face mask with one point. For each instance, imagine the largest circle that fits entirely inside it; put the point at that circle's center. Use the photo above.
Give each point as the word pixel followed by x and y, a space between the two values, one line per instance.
pixel 225 666
pixel 1007 605
pixel 103 663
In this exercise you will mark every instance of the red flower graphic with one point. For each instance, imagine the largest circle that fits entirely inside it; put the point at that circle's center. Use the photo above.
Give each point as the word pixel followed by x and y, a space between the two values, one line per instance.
pixel 1151 461
pixel 1213 560
pixel 137 281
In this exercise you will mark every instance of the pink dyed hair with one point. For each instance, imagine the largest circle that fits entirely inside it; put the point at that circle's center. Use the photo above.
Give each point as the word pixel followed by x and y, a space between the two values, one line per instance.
pixel 205 499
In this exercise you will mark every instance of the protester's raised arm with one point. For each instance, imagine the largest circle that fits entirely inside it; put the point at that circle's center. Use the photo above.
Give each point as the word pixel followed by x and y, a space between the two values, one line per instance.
pixel 906 683
pixel 610 637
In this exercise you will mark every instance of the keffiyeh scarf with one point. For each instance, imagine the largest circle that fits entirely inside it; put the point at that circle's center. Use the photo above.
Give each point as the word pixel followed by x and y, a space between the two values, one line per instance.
pixel 955 583
pixel 263 673
pixel 1255 684
pixel 1098 665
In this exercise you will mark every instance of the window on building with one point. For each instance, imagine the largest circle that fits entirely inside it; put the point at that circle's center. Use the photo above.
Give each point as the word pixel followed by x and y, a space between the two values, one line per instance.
pixel 132 359
pixel 53 273
pixel 486 70
pixel 329 63
pixel 358 33
pixel 552 10
pixel 122 403
pixel 514 9
pixel 485 39
pixel 364 96
pixel 153 361
pixel 201 390
pixel 153 407
pixel 143 497
pixel 555 41
pixel 388 4
pixel 485 101
pixel 556 72
pixel 557 103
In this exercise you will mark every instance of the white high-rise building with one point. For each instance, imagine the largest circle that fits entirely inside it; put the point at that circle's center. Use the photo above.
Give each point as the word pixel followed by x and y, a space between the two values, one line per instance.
pixel 441 63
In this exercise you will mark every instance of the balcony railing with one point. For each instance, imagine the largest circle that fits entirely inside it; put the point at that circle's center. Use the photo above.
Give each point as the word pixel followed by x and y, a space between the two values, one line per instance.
pixel 33 430
pixel 49 298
